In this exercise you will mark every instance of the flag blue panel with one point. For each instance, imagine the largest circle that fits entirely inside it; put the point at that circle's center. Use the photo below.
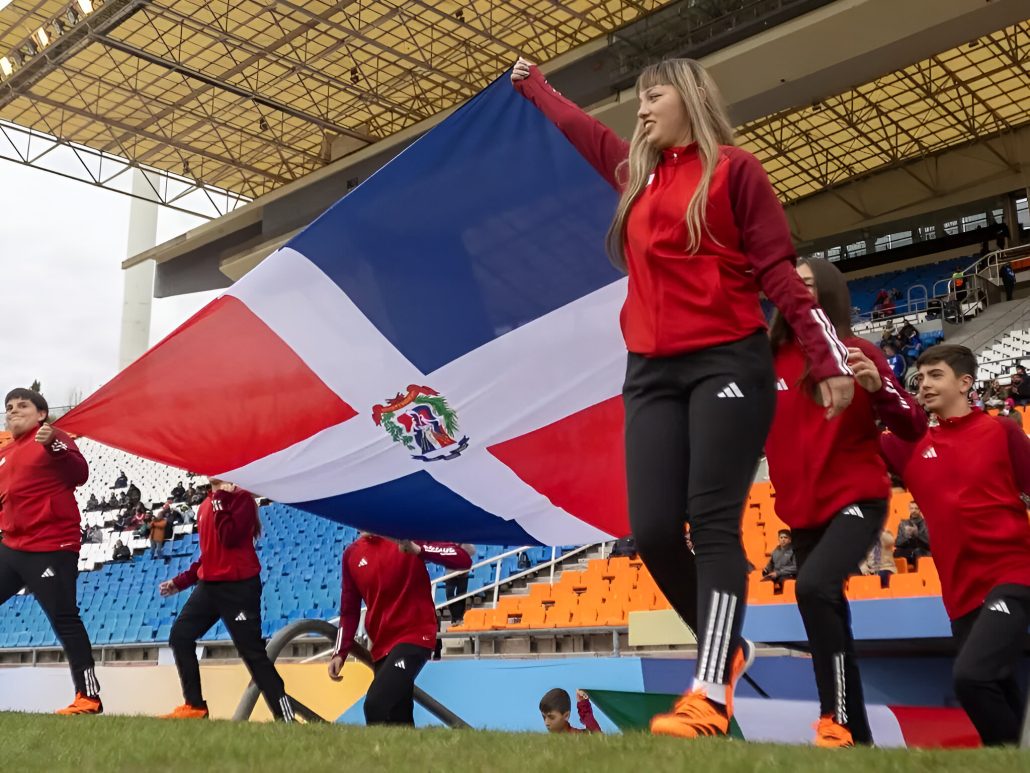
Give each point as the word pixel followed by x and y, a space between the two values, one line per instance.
pixel 532 215
pixel 418 507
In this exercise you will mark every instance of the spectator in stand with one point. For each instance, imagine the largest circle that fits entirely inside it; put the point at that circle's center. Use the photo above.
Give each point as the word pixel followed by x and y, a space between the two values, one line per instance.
pixel 1020 386
pixel 522 562
pixel 556 708
pixel 110 504
pixel 400 617
pixel 627 546
pixel 179 492
pixel 133 494
pixel 958 283
pixel 913 540
pixel 459 586
pixel 191 492
pixel 881 559
pixel 896 362
pixel 92 505
pixel 158 532
pixel 881 304
pixel 1011 412
pixel 993 395
pixel 910 342
pixel 121 552
pixel 782 564
pixel 199 495
pixel 1008 280
pixel 94 535
pixel 121 481
pixel 123 499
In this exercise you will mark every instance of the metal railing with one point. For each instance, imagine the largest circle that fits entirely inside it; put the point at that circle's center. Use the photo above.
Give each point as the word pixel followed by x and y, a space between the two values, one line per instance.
pixel 285 635
pixel 478 636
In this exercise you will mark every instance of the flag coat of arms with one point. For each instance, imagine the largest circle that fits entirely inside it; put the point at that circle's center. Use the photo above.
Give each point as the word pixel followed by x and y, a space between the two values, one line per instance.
pixel 438 356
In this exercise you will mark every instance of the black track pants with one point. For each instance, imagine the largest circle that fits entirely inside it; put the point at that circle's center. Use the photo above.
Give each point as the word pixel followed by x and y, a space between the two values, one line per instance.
pixel 990 644
pixel 50 577
pixel 390 699
pixel 238 604
pixel 826 556
pixel 695 427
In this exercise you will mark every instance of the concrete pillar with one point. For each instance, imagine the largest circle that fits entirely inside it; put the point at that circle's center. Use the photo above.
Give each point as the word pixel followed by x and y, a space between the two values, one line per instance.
pixel 138 287
pixel 1008 214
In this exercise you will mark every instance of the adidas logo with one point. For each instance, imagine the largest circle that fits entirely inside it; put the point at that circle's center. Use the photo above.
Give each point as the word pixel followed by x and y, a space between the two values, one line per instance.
pixel 362 562
pixel 781 385
pixel 3 461
pixel 930 453
pixel 400 664
pixel 241 617
pixel 731 390
pixel 853 510
pixel 999 606
pixel 48 572
pixel 58 445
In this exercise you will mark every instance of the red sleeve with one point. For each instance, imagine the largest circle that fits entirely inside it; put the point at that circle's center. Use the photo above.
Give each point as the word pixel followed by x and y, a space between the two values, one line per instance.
pixel 600 146
pixel 446 554
pixel 765 239
pixel 350 612
pixel 896 452
pixel 1019 453
pixel 586 716
pixel 187 578
pixel 897 409
pixel 235 515
pixel 68 459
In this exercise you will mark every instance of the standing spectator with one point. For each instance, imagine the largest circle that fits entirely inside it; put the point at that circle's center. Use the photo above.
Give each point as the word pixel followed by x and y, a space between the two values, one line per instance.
pixel 39 472
pixel 392 579
pixel 1008 280
pixel 121 552
pixel 1020 386
pixel 459 586
pixel 958 283
pixel 910 342
pixel 913 540
pixel 190 493
pixel 227 586
pixel 158 532
pixel 896 361
pixel 133 495
pixel 782 564
pixel 179 492
pixel 626 546
pixel 881 559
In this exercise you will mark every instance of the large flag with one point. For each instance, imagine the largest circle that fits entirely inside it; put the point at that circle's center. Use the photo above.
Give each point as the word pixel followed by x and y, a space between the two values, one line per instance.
pixel 438 356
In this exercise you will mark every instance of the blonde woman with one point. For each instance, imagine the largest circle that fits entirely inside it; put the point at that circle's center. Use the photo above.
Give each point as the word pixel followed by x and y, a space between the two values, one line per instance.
pixel 700 232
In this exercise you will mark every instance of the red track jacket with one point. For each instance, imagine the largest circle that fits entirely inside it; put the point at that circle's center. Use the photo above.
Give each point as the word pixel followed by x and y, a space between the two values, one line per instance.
pixel 227 521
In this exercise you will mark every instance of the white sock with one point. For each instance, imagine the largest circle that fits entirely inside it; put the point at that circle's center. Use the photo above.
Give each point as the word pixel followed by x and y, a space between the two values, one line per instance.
pixel 714 692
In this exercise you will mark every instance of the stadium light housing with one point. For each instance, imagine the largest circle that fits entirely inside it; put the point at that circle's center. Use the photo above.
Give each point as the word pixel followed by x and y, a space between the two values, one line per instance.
pixel 5 3
pixel 41 37
pixel 6 68
pixel 45 35
pixel 86 6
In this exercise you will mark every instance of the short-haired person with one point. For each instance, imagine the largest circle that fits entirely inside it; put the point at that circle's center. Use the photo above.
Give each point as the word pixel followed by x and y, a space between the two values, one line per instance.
pixel 700 233
pixel 227 580
pixel 556 708
pixel 39 472
pixel 832 489
pixel 400 617
pixel 968 474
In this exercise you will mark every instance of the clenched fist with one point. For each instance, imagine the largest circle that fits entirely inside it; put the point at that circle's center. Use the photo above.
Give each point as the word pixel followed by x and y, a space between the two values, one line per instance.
pixel 46 435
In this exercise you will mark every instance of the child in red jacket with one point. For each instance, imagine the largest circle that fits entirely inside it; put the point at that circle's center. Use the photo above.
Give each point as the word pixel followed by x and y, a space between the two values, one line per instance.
pixel 39 472
pixel 227 576
pixel 556 708
pixel 400 617
pixel 832 490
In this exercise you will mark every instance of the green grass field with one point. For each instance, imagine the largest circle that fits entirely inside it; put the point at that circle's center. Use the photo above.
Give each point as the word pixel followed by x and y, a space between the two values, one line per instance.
pixel 140 745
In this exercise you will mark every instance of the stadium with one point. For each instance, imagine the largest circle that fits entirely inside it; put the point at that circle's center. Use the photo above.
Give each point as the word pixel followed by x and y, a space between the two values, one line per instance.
pixel 413 333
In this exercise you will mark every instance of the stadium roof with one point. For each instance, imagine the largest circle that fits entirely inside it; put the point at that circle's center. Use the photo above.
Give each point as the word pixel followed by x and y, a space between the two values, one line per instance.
pixel 247 95
pixel 966 94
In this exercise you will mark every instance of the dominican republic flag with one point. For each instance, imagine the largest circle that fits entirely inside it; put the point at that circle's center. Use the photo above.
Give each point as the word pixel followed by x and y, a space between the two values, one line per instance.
pixel 438 356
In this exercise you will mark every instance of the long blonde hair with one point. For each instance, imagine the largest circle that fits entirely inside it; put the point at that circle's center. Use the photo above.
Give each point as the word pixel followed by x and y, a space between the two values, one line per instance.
pixel 710 127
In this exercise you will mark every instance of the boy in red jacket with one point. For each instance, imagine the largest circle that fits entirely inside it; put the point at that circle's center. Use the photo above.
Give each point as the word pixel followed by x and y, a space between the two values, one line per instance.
pixel 227 576
pixel 967 475
pixel 400 618
pixel 39 472
pixel 556 708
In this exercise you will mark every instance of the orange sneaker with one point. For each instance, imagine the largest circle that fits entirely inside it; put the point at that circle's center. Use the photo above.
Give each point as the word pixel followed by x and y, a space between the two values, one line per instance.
pixel 186 711
pixel 830 735
pixel 83 704
pixel 693 716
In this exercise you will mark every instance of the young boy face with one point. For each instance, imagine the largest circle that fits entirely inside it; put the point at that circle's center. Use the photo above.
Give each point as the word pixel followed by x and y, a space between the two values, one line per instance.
pixel 940 390
pixel 22 416
pixel 555 721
